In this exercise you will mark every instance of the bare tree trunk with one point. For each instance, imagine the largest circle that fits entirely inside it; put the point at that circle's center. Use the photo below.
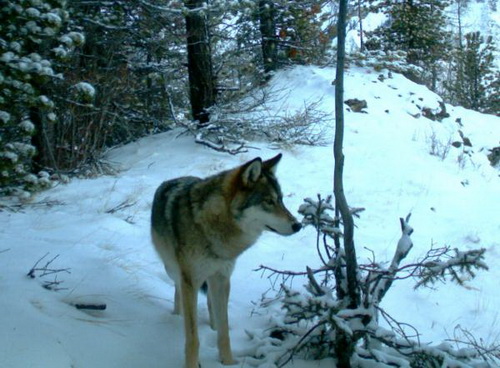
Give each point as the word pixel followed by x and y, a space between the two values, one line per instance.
pixel 341 201
pixel 268 34
pixel 201 78
pixel 361 37
pixel 344 344
pixel 459 15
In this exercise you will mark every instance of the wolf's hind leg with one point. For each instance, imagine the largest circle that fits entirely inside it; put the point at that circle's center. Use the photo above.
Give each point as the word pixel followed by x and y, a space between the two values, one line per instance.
pixel 218 292
pixel 177 301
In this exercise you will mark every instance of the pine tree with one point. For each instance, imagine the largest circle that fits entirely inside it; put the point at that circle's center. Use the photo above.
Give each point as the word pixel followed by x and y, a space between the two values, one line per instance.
pixel 30 46
pixel 304 30
pixel 475 82
pixel 418 28
pixel 134 57
pixel 267 20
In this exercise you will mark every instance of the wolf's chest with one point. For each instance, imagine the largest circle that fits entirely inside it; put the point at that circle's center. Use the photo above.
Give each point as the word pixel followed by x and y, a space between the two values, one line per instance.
pixel 209 266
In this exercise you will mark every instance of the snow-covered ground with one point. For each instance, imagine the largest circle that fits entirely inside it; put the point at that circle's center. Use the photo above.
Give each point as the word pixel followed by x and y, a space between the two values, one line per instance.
pixel 99 229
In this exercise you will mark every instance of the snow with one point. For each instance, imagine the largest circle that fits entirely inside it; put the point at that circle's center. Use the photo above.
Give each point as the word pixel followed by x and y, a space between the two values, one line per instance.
pixel 27 126
pixel 86 89
pixel 66 40
pixel 7 57
pixel 45 101
pixel 111 261
pixel 4 116
pixel 60 52
pixel 53 19
pixel 32 12
pixel 8 155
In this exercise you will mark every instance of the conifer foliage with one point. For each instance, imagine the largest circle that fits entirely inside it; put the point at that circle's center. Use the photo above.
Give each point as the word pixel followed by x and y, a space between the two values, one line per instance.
pixel 416 27
pixel 31 48
pixel 474 82
pixel 79 76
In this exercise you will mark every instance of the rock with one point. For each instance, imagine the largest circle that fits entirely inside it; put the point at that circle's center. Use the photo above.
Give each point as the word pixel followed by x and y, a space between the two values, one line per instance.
pixel 467 141
pixel 356 105
pixel 494 156
pixel 440 115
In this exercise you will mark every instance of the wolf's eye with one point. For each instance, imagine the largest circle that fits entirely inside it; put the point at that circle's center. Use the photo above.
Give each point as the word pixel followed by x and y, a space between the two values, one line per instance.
pixel 270 202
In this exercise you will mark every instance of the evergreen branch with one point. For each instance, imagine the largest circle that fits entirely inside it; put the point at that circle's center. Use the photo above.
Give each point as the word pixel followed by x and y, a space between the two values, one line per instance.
pixel 455 268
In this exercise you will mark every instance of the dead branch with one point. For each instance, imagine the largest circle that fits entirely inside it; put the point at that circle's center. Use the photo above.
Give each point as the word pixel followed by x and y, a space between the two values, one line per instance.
pixel 53 285
pixel 399 327
pixel 291 353
pixel 291 273
pixel 318 291
pixel 216 137
pixel 404 246
pixel 18 207
pixel 489 353
pixel 221 146
pixel 45 270
pixel 122 205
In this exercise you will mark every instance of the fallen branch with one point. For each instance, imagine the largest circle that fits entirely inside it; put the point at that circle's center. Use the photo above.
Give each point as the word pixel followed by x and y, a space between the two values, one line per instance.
pixel 53 285
pixel 89 306
pixel 221 147
pixel 45 269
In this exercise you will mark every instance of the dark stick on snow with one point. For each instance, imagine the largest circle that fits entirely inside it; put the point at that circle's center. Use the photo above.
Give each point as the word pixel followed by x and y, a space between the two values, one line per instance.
pixel 86 306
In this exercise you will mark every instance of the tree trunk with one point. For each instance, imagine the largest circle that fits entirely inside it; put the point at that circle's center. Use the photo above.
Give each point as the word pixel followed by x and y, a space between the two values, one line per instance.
pixel 201 79
pixel 361 37
pixel 268 34
pixel 459 15
pixel 344 344
pixel 42 140
pixel 340 198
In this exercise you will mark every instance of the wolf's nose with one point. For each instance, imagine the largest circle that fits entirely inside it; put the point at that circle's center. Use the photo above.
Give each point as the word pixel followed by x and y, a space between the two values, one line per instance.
pixel 296 227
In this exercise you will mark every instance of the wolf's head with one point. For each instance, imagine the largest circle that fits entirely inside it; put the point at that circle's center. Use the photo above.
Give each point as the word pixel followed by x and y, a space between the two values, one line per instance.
pixel 258 202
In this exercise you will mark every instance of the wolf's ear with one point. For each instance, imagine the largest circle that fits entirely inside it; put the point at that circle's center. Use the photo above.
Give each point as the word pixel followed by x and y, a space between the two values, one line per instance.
pixel 272 163
pixel 251 171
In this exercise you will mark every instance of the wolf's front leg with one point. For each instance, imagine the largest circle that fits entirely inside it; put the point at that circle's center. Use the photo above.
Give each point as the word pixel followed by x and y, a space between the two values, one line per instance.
pixel 218 286
pixel 189 296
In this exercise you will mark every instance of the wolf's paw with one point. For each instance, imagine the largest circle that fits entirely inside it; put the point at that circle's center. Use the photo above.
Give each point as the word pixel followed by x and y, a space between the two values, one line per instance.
pixel 229 361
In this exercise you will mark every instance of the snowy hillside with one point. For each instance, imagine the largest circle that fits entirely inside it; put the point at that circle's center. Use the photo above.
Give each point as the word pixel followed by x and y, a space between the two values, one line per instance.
pixel 99 229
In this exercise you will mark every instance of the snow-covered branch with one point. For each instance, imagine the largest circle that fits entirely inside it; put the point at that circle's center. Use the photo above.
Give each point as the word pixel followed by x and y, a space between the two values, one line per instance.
pixel 322 318
pixel 456 267
pixel 386 279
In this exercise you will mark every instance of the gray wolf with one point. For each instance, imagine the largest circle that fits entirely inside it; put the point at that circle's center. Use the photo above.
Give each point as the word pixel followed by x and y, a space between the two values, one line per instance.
pixel 200 226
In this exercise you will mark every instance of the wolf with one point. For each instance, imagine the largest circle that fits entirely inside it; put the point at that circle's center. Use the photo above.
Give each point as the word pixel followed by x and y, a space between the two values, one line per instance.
pixel 200 226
